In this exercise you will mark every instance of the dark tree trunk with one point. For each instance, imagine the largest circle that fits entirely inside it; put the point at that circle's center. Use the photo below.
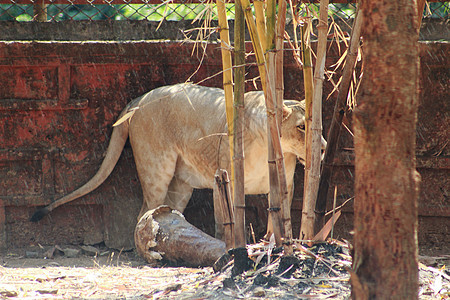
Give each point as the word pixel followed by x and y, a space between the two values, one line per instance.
pixel 385 257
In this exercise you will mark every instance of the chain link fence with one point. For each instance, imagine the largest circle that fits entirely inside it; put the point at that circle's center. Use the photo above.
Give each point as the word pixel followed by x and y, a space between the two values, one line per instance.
pixel 151 10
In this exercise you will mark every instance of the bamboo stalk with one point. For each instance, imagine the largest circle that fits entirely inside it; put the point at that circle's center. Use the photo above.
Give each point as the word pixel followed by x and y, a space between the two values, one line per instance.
pixel 256 42
pixel 40 11
pixel 279 44
pixel 227 78
pixel 260 21
pixel 278 197
pixel 336 122
pixel 279 95
pixel 309 88
pixel 309 201
pixel 223 209
pixel 239 89
pixel 271 24
pixel 275 161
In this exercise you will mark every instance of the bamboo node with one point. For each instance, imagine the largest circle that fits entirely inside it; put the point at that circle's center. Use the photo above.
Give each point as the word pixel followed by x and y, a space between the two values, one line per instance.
pixel 271 112
pixel 274 209
pixel 322 24
pixel 219 29
pixel 240 206
pixel 288 243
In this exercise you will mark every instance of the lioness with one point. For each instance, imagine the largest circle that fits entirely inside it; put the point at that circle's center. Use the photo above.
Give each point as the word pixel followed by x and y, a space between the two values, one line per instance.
pixel 177 136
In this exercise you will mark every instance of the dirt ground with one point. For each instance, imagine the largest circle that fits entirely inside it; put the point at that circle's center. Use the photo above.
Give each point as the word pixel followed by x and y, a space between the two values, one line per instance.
pixel 110 274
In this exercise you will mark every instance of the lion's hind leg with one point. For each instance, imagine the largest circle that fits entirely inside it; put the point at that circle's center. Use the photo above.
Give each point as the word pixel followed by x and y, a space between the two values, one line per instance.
pixel 178 195
pixel 155 174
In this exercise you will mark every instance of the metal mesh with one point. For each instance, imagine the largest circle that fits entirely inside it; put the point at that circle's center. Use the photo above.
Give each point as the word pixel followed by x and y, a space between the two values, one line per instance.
pixel 60 10
pixel 113 10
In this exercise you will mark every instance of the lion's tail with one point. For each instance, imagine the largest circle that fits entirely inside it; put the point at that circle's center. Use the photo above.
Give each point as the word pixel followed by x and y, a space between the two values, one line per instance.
pixel 118 139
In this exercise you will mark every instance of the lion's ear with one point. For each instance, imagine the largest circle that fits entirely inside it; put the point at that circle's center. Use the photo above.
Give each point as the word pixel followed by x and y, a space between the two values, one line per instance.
pixel 286 112
pixel 303 104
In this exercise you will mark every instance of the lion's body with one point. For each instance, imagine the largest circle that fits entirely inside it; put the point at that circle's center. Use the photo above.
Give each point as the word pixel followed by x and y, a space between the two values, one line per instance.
pixel 178 137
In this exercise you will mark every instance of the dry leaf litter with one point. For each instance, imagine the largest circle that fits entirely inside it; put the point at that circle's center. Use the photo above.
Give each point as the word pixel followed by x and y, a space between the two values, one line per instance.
pixel 316 272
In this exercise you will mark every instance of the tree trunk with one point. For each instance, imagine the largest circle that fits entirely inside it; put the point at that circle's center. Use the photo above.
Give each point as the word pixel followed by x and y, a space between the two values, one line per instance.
pixel 385 244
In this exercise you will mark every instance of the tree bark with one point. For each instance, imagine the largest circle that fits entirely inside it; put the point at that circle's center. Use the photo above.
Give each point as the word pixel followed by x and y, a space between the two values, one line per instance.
pixel 385 245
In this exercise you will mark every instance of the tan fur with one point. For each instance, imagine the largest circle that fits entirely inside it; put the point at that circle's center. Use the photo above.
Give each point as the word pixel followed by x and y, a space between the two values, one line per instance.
pixel 177 134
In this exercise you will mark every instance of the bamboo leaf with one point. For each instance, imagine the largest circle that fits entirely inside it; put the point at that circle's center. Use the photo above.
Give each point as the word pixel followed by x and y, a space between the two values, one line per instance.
pixel 126 116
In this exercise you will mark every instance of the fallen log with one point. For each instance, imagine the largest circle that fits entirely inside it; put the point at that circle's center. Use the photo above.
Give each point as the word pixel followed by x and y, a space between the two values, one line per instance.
pixel 163 234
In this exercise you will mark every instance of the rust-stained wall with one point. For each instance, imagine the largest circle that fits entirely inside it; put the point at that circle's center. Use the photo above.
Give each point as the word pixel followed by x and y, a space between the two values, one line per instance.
pixel 59 99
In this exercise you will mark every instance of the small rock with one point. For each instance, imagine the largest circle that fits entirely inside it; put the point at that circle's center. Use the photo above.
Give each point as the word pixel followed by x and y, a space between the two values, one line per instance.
pixel 260 279
pixel 50 291
pixel 222 262
pixel 89 250
pixel 272 281
pixel 228 283
pixel 8 291
pixel 288 265
pixel 259 292
pixel 49 253
pixel 173 287
pixel 53 251
pixel 241 261
pixel 31 254
pixel 68 252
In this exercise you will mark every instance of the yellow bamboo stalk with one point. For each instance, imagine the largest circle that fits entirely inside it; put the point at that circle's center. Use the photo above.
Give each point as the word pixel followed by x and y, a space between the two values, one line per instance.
pixel 256 42
pixel 227 77
pixel 279 44
pixel 260 21
pixel 270 50
pixel 271 21
pixel 309 87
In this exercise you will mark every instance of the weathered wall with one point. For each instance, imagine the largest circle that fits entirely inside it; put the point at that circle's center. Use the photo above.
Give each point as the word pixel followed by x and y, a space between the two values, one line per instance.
pixel 129 30
pixel 59 99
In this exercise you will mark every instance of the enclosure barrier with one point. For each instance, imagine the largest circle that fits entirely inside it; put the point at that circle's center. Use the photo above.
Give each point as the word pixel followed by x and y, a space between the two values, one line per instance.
pixel 158 10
